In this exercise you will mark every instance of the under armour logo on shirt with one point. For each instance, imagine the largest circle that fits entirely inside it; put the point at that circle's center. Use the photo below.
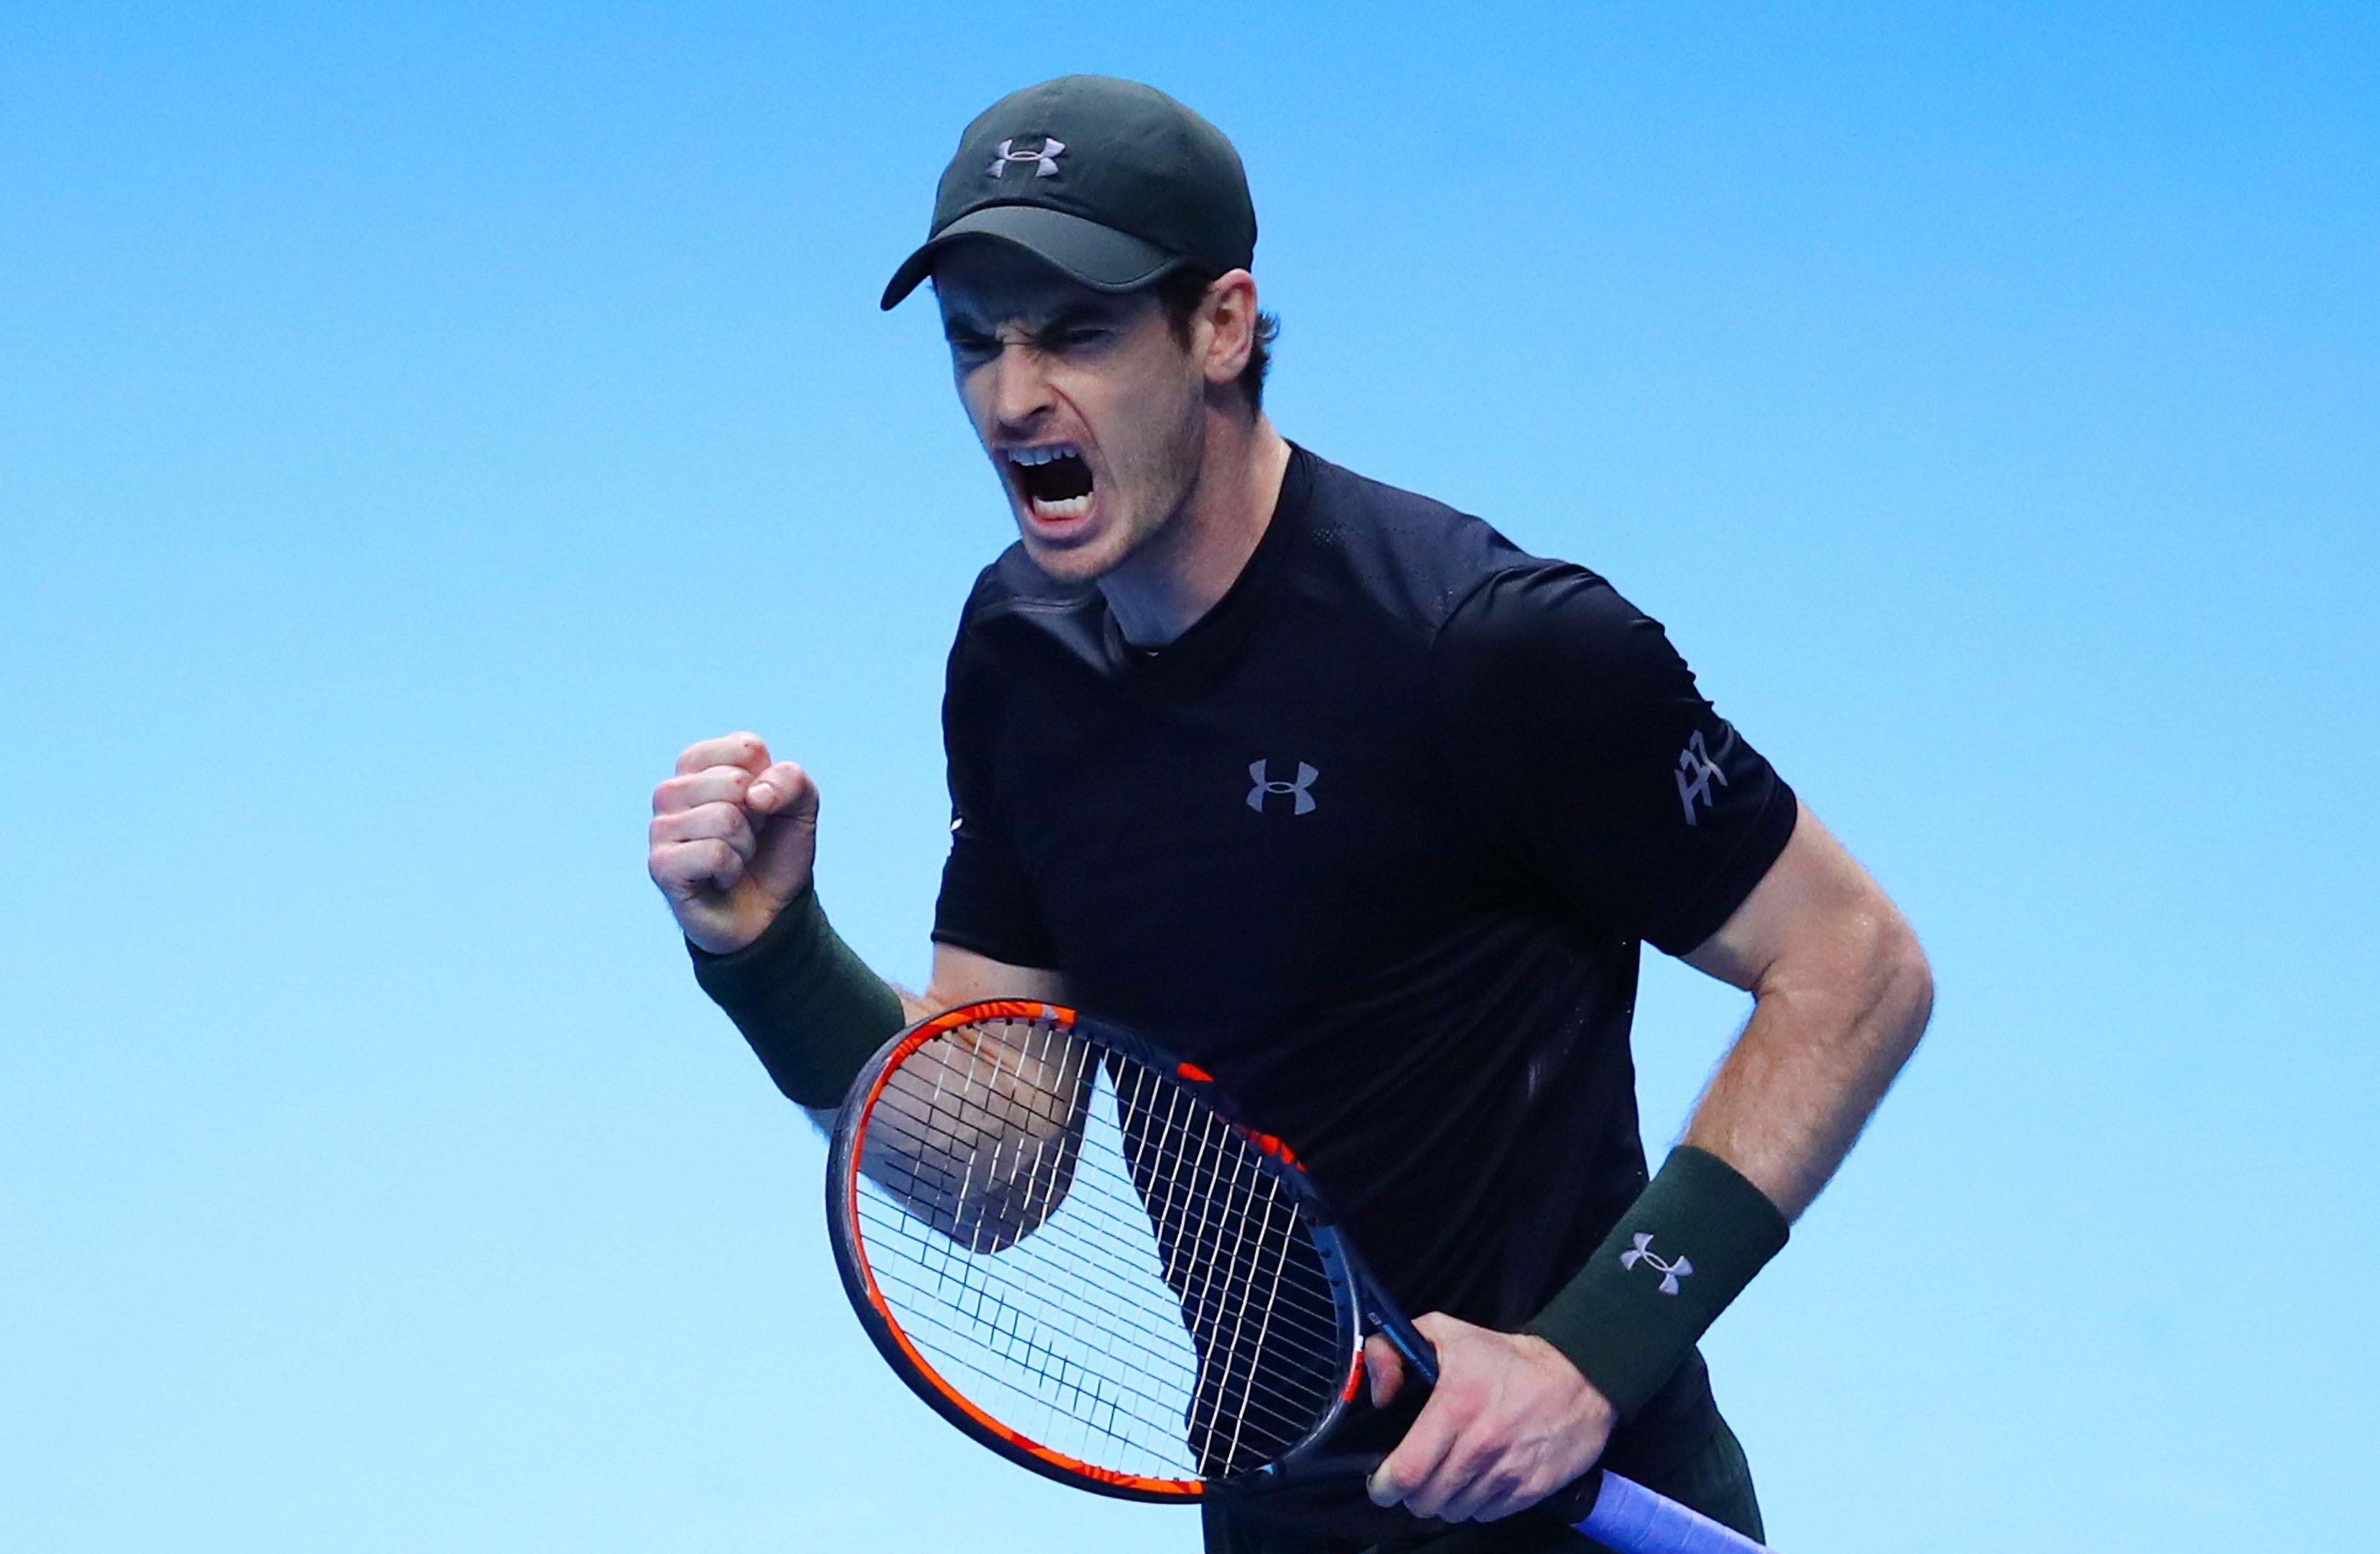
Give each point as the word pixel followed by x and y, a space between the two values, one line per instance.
pixel 1300 797
pixel 1642 1252
pixel 1043 157
pixel 1696 771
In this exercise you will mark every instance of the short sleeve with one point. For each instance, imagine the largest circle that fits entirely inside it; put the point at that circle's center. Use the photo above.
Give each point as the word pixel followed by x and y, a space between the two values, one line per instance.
pixel 1569 716
pixel 987 902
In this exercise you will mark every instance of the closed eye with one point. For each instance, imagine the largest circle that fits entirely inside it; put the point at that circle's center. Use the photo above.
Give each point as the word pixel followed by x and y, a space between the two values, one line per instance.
pixel 1070 332
pixel 968 345
pixel 1074 329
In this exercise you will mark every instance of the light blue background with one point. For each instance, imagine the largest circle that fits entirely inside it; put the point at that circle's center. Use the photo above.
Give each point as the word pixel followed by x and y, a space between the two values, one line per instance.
pixel 414 427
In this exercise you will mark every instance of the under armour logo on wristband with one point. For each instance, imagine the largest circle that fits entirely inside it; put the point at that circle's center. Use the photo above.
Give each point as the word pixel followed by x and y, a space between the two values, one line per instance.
pixel 1695 774
pixel 1642 1252
pixel 1044 158
pixel 1301 799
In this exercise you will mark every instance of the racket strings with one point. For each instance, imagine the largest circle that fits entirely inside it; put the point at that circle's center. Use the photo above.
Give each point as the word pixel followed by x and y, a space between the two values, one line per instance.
pixel 1229 1237
pixel 900 1145
pixel 1209 1314
pixel 1151 1139
pixel 933 1134
pixel 1094 1258
pixel 941 1284
pixel 938 1251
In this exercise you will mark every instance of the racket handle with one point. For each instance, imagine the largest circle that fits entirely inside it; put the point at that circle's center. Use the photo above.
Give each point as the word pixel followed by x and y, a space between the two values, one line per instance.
pixel 1630 1519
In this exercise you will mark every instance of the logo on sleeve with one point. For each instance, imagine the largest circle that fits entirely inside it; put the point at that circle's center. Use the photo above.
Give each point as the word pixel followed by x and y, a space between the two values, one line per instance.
pixel 1300 792
pixel 1696 771
pixel 1044 158
pixel 1642 1253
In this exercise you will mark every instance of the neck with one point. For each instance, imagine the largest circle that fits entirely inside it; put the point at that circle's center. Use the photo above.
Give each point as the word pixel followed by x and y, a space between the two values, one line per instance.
pixel 1187 566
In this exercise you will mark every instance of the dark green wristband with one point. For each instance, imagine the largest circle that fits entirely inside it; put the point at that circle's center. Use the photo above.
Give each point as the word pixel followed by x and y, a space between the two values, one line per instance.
pixel 811 1008
pixel 1686 1247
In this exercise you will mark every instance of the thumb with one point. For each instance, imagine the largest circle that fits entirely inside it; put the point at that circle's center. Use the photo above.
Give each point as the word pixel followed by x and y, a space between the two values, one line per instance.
pixel 783 804
pixel 783 791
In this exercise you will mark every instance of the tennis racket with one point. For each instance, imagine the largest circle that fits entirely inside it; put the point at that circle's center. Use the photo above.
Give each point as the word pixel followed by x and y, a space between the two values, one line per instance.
pixel 1064 1241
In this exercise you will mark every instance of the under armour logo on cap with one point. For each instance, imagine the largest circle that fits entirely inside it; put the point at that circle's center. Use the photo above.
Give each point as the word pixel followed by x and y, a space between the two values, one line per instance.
pixel 1044 158
pixel 1641 1252
pixel 1301 798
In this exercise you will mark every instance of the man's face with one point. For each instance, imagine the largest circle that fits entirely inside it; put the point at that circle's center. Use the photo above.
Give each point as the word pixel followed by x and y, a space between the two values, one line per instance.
pixel 1090 409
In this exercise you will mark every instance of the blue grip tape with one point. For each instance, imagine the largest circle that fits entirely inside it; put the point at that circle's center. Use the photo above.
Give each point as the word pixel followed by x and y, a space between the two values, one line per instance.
pixel 1630 1519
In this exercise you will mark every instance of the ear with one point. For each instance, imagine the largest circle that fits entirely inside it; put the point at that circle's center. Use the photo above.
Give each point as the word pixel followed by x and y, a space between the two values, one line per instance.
pixel 1227 326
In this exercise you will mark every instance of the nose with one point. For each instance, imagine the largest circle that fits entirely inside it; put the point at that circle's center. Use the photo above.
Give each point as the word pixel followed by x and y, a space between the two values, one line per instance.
pixel 1020 391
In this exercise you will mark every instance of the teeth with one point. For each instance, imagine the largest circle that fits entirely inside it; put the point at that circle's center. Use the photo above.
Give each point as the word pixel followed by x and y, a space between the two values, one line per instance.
pixel 1043 455
pixel 1072 507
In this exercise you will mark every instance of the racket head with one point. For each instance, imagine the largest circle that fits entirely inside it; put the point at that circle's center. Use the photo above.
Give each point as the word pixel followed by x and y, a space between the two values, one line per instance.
pixel 1063 1241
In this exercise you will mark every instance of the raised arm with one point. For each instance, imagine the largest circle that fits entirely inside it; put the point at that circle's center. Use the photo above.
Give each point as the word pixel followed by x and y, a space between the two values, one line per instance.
pixel 731 847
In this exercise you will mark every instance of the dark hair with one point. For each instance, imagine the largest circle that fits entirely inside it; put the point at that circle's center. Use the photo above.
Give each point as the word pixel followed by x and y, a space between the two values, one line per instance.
pixel 1180 293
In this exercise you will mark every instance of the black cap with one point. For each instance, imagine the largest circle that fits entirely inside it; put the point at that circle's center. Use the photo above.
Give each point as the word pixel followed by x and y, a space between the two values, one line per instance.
pixel 1112 182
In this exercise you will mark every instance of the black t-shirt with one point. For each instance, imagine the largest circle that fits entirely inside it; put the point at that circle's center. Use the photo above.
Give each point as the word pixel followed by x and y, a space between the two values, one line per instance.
pixel 1374 842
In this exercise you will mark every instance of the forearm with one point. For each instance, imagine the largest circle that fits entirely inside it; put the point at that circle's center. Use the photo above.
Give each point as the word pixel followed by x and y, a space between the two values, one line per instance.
pixel 812 1010
pixel 1827 1037
pixel 914 1008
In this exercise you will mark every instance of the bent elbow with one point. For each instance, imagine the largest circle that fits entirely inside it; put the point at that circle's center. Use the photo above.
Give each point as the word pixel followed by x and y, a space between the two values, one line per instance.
pixel 1908 982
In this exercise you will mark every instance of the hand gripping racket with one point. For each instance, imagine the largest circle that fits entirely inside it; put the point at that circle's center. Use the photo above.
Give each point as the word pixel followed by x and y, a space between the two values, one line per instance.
pixel 1063 1241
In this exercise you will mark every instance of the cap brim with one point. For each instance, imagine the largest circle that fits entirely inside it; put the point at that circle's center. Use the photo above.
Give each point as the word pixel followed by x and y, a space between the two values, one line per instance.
pixel 1099 257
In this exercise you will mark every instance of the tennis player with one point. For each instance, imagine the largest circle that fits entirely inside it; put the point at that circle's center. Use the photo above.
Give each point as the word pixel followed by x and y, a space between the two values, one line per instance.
pixel 1336 791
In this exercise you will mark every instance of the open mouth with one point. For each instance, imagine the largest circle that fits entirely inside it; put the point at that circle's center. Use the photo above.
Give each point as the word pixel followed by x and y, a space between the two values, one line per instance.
pixel 1055 481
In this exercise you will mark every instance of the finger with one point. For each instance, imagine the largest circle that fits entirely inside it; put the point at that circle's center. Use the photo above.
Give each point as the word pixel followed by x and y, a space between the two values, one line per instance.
pixel 1405 1471
pixel 1485 1487
pixel 783 788
pixel 712 784
pixel 1452 1479
pixel 1446 1425
pixel 706 822
pixel 1516 1497
pixel 746 749
pixel 684 869
pixel 1384 1370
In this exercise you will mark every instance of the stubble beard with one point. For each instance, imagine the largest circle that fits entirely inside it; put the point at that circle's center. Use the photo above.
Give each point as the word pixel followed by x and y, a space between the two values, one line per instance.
pixel 1145 534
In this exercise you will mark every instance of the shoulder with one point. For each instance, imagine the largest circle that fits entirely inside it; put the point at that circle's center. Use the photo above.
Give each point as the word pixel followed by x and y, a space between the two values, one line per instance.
pixel 1546 652
pixel 1414 557
pixel 1469 585
pixel 1552 607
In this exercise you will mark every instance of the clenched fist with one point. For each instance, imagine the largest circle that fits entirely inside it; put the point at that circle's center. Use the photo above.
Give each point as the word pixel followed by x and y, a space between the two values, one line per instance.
pixel 732 838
